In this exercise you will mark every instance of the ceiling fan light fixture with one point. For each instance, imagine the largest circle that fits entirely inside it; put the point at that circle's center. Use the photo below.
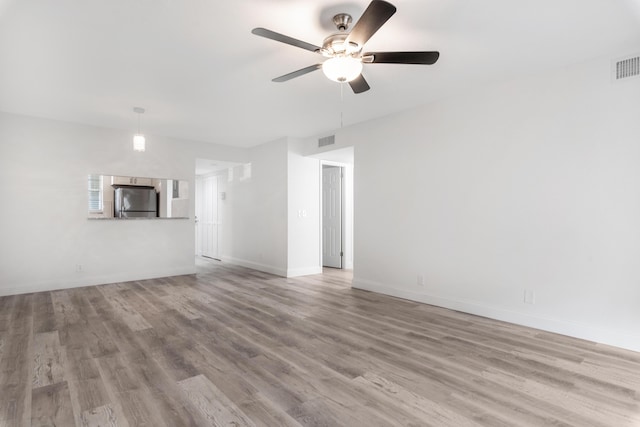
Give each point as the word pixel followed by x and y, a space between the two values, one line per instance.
pixel 342 69
pixel 344 49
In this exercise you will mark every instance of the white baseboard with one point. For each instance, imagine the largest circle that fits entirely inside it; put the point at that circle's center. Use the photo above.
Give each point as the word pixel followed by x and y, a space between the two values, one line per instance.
pixel 291 272
pixel 564 327
pixel 297 272
pixel 82 280
pixel 256 266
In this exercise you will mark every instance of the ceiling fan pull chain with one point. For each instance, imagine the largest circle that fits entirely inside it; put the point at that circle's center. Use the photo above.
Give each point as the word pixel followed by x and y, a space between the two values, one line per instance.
pixel 341 104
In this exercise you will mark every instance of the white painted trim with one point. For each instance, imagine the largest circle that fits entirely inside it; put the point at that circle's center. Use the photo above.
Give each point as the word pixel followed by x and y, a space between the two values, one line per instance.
pixel 573 329
pixel 256 266
pixel 296 272
pixel 346 169
pixel 64 283
pixel 342 168
pixel 332 163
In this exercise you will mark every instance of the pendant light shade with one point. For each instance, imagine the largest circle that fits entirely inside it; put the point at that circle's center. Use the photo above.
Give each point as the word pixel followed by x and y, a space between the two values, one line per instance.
pixel 139 142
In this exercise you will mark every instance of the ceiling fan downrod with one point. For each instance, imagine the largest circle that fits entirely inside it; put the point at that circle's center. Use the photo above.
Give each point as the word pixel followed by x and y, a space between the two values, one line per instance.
pixel 342 21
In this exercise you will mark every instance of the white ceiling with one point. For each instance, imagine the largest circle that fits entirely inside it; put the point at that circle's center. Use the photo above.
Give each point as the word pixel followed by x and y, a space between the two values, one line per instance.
pixel 201 75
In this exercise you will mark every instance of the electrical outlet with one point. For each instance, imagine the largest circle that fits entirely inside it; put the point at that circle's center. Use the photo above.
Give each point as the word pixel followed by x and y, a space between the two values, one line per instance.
pixel 529 296
pixel 420 280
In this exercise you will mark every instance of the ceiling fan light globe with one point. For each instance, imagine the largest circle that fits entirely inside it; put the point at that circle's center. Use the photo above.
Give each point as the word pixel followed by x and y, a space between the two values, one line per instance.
pixel 342 68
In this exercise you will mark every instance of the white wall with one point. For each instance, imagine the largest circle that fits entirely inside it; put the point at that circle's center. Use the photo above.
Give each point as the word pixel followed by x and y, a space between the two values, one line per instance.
pixel 529 185
pixel 46 234
pixel 255 232
pixel 304 213
pixel 347 226
pixel 44 228
pixel 272 217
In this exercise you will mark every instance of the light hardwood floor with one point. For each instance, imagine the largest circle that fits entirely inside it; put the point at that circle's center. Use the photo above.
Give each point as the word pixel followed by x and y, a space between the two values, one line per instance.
pixel 235 347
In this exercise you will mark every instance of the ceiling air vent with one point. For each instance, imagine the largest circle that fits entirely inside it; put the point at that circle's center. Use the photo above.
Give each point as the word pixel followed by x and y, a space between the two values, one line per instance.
pixel 327 140
pixel 627 67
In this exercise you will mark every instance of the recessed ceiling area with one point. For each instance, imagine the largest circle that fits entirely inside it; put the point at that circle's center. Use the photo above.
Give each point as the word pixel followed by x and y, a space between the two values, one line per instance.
pixel 208 166
pixel 203 76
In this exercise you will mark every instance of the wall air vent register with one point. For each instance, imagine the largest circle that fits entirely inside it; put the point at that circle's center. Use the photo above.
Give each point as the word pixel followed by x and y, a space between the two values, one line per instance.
pixel 624 68
pixel 327 140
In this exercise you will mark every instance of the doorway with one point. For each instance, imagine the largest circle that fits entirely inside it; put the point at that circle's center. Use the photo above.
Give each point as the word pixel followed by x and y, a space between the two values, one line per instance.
pixel 207 217
pixel 336 208
pixel 210 195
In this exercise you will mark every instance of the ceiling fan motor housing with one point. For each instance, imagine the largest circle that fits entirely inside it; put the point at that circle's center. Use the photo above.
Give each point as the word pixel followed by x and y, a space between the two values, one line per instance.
pixel 337 45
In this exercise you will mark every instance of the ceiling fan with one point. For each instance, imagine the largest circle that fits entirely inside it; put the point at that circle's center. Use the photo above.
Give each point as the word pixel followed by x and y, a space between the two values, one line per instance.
pixel 344 49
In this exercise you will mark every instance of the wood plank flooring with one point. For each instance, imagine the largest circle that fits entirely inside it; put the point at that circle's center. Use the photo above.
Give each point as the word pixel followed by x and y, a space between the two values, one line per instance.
pixel 235 347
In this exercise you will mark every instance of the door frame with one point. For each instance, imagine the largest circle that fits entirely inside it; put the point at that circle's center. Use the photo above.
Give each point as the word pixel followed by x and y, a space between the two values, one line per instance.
pixel 198 214
pixel 200 182
pixel 346 214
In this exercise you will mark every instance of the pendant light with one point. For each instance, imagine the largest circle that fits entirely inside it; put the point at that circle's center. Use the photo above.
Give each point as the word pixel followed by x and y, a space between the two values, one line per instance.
pixel 138 138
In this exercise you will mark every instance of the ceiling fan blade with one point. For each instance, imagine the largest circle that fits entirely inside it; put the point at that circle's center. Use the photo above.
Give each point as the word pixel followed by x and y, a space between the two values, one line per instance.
pixel 426 58
pixel 377 13
pixel 359 84
pixel 263 32
pixel 297 73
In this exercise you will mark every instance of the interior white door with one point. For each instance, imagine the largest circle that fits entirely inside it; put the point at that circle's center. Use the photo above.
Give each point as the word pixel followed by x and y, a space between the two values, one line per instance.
pixel 332 216
pixel 208 223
